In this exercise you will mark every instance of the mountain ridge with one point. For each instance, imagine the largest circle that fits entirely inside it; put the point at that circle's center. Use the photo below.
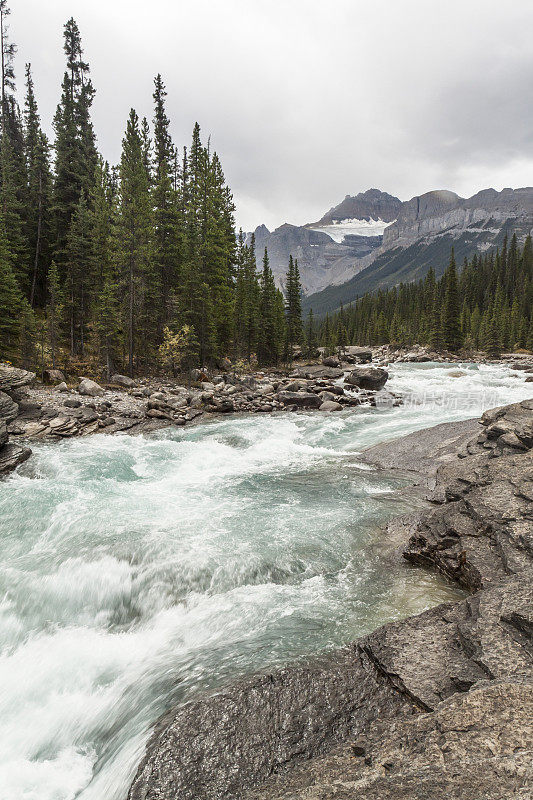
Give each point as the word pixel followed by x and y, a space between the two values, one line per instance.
pixel 339 266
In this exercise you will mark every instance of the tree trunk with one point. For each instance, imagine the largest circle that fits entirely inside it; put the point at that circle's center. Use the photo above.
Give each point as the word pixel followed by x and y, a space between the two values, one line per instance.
pixel 38 242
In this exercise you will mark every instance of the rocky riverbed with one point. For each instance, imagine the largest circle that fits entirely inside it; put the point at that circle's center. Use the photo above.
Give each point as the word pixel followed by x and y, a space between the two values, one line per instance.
pixel 55 410
pixel 436 706
pixel 31 410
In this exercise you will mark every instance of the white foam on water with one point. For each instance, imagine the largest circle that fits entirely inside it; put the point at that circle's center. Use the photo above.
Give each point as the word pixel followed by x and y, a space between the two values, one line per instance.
pixel 137 571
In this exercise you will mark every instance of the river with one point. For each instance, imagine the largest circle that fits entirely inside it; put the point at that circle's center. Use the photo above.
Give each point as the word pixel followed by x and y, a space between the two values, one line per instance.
pixel 136 572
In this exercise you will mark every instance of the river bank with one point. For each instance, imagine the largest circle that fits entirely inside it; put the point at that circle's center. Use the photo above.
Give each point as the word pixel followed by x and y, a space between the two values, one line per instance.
pixel 437 705
pixel 33 411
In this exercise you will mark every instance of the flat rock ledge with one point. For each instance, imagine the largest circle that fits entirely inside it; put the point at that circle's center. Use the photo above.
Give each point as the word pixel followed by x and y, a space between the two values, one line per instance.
pixel 435 707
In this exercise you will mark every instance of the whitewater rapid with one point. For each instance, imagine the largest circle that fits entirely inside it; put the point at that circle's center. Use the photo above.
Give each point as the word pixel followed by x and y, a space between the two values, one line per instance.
pixel 136 572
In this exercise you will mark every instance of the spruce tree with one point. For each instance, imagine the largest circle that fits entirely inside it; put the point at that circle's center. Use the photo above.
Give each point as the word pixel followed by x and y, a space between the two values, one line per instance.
pixel 75 148
pixel 167 250
pixel 268 343
pixel 54 312
pixel 134 247
pixel 11 304
pixel 38 222
pixel 293 308
pixel 451 327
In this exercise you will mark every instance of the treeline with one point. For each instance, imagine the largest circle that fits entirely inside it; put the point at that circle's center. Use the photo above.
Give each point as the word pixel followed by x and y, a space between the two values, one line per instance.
pixel 125 265
pixel 487 306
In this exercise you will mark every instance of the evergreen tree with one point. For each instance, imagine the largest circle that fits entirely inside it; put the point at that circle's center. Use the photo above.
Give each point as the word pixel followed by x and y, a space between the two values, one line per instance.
pixel 311 342
pixel 167 250
pixel 11 304
pixel 75 148
pixel 451 328
pixel 38 223
pixel 268 343
pixel 79 265
pixel 134 246
pixel 54 312
pixel 293 307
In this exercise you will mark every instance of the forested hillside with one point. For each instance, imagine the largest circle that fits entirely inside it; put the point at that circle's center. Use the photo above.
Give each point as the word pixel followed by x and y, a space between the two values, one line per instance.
pixel 135 266
pixel 488 306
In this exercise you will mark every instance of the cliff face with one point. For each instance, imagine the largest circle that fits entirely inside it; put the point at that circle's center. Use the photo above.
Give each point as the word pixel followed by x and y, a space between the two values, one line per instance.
pixel 434 213
pixel 436 706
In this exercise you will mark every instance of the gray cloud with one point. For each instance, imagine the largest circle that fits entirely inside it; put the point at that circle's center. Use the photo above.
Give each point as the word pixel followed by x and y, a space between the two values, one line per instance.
pixel 307 101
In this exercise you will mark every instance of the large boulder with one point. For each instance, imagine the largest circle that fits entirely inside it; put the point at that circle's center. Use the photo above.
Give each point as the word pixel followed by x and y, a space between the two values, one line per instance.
pixel 3 434
pixel 13 378
pixel 362 355
pixel 53 376
pixel 330 405
pixel 8 408
pixel 123 380
pixel 331 361
pixel 372 378
pixel 303 399
pixel 11 455
pixel 90 388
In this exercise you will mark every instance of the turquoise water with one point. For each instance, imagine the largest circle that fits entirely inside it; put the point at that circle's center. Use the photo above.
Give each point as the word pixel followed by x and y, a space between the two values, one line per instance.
pixel 137 571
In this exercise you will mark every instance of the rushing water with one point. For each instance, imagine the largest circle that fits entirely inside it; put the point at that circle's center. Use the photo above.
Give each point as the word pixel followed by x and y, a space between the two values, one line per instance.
pixel 136 571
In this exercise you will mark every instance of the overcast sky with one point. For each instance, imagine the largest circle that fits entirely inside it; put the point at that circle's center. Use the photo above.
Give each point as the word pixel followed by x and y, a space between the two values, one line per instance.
pixel 309 100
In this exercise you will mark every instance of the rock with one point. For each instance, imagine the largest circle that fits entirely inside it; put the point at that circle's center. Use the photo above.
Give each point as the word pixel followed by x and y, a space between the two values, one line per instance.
pixel 303 399
pixel 457 373
pixel 90 388
pixel 331 361
pixel 372 378
pixel 11 455
pixel 197 375
pixel 319 371
pixel 362 355
pixel 62 387
pixel 156 413
pixel 13 378
pixel 529 379
pixel 223 406
pixel 53 376
pixel 266 389
pixel 330 405
pixel 71 402
pixel 3 434
pixel 8 408
pixel 123 380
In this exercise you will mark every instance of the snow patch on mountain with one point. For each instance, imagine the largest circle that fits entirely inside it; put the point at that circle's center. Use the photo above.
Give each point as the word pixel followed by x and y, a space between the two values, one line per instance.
pixel 338 230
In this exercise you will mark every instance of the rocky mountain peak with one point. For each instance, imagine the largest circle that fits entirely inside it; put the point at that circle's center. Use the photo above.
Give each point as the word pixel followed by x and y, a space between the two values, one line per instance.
pixel 372 204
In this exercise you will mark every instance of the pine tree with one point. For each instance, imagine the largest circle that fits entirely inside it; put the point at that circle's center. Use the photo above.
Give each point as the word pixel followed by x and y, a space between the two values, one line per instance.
pixel 311 343
pixel 79 265
pixel 167 249
pixel 268 347
pixel 11 304
pixel 38 230
pixel 134 247
pixel 293 307
pixel 451 328
pixel 76 155
pixel 54 312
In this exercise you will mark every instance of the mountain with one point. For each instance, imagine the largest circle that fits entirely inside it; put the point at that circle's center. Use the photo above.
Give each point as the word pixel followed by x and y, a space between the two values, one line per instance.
pixel 332 250
pixel 422 235
pixel 374 240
